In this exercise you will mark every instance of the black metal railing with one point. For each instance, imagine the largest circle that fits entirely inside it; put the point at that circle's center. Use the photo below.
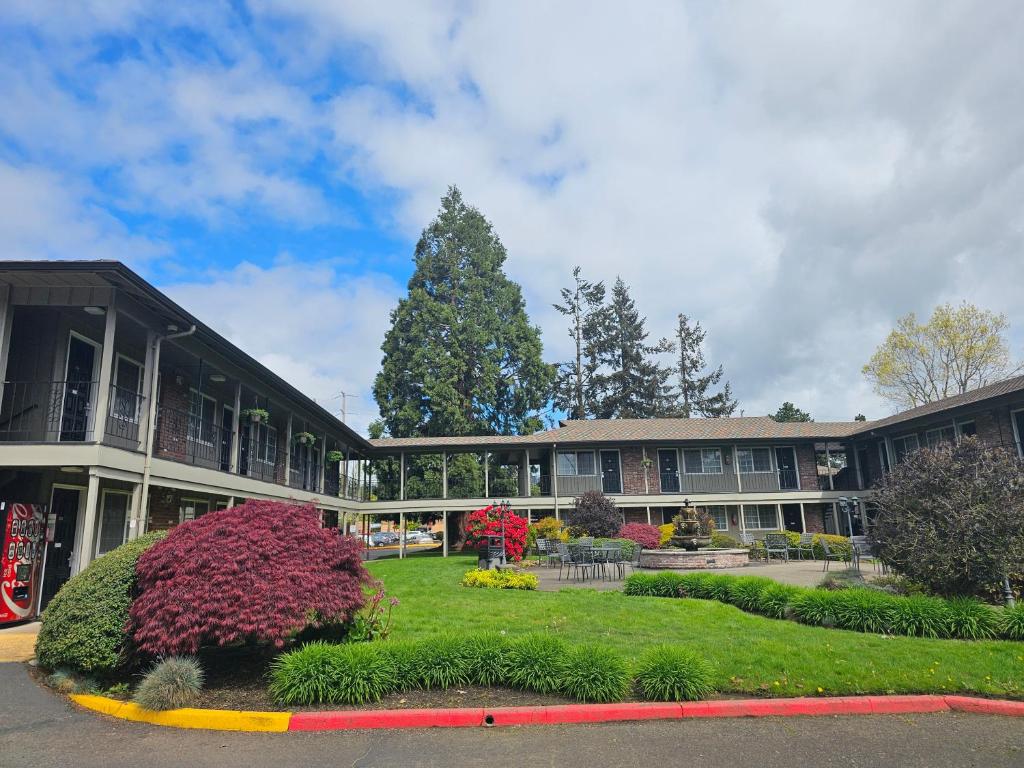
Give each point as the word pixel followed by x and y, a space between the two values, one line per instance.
pixel 544 485
pixel 48 411
pixel 669 482
pixel 788 480
pixel 304 474
pixel 184 437
pixel 258 458
pixel 332 481
pixel 124 414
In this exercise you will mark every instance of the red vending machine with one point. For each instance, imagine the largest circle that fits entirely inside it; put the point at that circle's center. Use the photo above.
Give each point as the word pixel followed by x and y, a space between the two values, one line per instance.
pixel 21 561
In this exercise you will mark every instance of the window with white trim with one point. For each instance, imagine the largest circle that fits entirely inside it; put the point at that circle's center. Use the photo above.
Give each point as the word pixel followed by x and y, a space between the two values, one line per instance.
pixel 265 439
pixel 719 513
pixel 901 446
pixel 754 460
pixel 702 461
pixel 966 429
pixel 572 463
pixel 933 438
pixel 763 517
pixel 201 410
pixel 113 521
pixel 191 509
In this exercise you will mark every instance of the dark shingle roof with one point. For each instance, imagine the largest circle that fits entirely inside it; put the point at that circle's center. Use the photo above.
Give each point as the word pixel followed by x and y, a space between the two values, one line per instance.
pixel 998 389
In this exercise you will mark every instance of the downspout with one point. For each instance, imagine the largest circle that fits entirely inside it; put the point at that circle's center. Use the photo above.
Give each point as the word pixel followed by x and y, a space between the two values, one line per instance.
pixel 151 426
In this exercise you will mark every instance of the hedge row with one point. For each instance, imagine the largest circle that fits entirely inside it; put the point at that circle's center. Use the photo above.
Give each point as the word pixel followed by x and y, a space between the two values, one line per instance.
pixel 495 579
pixel 357 673
pixel 858 609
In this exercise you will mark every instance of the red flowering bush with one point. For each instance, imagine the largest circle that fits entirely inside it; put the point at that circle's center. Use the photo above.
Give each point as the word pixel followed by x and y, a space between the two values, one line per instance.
pixel 647 536
pixel 258 573
pixel 487 522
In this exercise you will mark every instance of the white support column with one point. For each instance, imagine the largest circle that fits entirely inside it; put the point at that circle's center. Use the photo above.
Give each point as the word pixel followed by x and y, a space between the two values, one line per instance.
pixel 736 470
pixel 87 546
pixel 779 520
pixel 648 515
pixel 288 452
pixel 236 431
pixel 524 479
pixel 323 460
pixel 401 478
pixel 231 502
pixel 554 478
pixel 803 519
pixel 135 512
pixel 99 419
pixel 487 478
pixel 444 533
pixel 444 486
pixel 828 467
pixel 401 533
pixel 743 522
pixel 835 519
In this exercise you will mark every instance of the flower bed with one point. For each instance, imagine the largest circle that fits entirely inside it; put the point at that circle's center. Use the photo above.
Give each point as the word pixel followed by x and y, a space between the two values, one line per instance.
pixel 859 609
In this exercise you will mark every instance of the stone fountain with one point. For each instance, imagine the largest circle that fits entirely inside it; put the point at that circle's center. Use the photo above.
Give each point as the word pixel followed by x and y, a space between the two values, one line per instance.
pixel 690 545
pixel 691 533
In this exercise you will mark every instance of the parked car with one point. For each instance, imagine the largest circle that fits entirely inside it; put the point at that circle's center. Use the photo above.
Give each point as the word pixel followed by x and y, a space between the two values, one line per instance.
pixel 418 537
pixel 380 539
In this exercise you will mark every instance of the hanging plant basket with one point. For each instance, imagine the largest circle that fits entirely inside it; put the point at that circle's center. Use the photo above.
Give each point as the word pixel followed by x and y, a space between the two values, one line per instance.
pixel 305 438
pixel 335 457
pixel 256 415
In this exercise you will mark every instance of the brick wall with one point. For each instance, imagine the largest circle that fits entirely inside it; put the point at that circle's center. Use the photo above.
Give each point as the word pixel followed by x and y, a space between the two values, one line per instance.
pixel 633 472
pixel 814 519
pixel 807 467
pixel 171 439
pixel 164 510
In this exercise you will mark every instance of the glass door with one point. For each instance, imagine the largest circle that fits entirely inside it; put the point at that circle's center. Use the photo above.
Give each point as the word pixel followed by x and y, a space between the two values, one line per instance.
pixel 77 400
pixel 611 478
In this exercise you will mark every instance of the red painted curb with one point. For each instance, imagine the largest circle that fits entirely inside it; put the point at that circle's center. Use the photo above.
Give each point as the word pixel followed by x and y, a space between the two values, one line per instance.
pixel 386 718
pixel 985 706
pixel 606 713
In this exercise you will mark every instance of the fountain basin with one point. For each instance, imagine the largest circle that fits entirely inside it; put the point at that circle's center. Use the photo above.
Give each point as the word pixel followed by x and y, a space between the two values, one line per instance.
pixel 684 560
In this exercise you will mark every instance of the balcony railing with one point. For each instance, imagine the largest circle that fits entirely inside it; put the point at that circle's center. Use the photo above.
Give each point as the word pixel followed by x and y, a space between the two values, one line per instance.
pixel 184 437
pixel 759 481
pixel 48 411
pixel 669 482
pixel 788 480
pixel 124 415
pixel 258 458
pixel 304 475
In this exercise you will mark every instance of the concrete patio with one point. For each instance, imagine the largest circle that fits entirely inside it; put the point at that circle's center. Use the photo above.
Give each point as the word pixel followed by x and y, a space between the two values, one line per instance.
pixel 801 573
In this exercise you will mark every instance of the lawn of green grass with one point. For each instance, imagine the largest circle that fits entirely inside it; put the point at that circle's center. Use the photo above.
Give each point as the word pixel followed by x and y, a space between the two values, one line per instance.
pixel 752 654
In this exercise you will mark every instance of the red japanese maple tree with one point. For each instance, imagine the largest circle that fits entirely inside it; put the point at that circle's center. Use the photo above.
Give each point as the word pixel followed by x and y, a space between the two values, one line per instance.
pixel 257 573
pixel 487 522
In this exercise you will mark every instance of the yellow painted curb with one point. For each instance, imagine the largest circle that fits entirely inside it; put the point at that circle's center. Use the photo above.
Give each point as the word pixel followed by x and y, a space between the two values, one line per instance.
pixel 209 719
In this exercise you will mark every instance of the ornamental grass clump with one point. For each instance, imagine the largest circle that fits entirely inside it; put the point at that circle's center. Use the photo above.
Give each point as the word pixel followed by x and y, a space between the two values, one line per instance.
pixel 816 606
pixel 641 585
pixel 594 673
pixel 862 610
pixel 971 619
pixel 537 663
pixel 488 658
pixel 673 673
pixel 919 616
pixel 668 584
pixel 774 601
pixel 445 663
pixel 1011 622
pixel 173 683
pixel 223 580
pixel 404 657
pixel 745 591
pixel 317 673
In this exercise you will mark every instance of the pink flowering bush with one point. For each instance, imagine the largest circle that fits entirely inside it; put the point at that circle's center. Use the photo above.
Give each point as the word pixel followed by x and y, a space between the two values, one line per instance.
pixel 487 522
pixel 647 536
pixel 258 573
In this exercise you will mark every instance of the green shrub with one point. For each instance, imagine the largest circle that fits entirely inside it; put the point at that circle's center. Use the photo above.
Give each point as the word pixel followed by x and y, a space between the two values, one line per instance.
pixel 665 532
pixel 488 658
pixel 641 585
pixel 628 546
pixel 83 627
pixel 745 591
pixel 862 610
pixel 708 586
pixel 499 579
pixel 173 683
pixel 1011 622
pixel 445 663
pixel 536 663
pixel 673 673
pixel 317 673
pixel 594 673
pixel 816 606
pixel 971 619
pixel 774 601
pixel 404 658
pixel 724 541
pixel 919 616
pixel 668 584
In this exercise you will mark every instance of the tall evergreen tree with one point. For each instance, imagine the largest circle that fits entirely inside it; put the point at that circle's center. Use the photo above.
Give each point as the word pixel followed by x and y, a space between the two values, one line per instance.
pixel 583 305
pixel 631 383
pixel 461 357
pixel 789 412
pixel 694 383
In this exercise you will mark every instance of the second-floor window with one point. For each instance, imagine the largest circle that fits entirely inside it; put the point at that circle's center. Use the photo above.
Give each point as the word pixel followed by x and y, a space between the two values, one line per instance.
pixel 754 459
pixel 576 463
pixel 901 446
pixel 265 438
pixel 702 461
pixel 201 409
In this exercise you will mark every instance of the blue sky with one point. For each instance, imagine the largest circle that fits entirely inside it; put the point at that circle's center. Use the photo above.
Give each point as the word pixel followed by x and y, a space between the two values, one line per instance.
pixel 794 175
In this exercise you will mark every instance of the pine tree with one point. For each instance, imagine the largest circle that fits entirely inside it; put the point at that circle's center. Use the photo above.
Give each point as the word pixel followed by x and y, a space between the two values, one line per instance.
pixel 631 383
pixel 583 305
pixel 693 382
pixel 789 412
pixel 461 357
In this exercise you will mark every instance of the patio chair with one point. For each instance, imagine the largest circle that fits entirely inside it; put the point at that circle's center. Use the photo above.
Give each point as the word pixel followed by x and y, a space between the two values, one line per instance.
pixel 564 558
pixel 806 544
pixel 860 547
pixel 828 554
pixel 542 549
pixel 585 541
pixel 776 544
pixel 553 552
pixel 613 562
pixel 634 561
pixel 749 540
pixel 581 560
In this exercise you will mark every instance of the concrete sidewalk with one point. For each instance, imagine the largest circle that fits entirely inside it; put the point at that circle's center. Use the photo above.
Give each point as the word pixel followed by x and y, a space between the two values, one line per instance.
pixel 18 643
